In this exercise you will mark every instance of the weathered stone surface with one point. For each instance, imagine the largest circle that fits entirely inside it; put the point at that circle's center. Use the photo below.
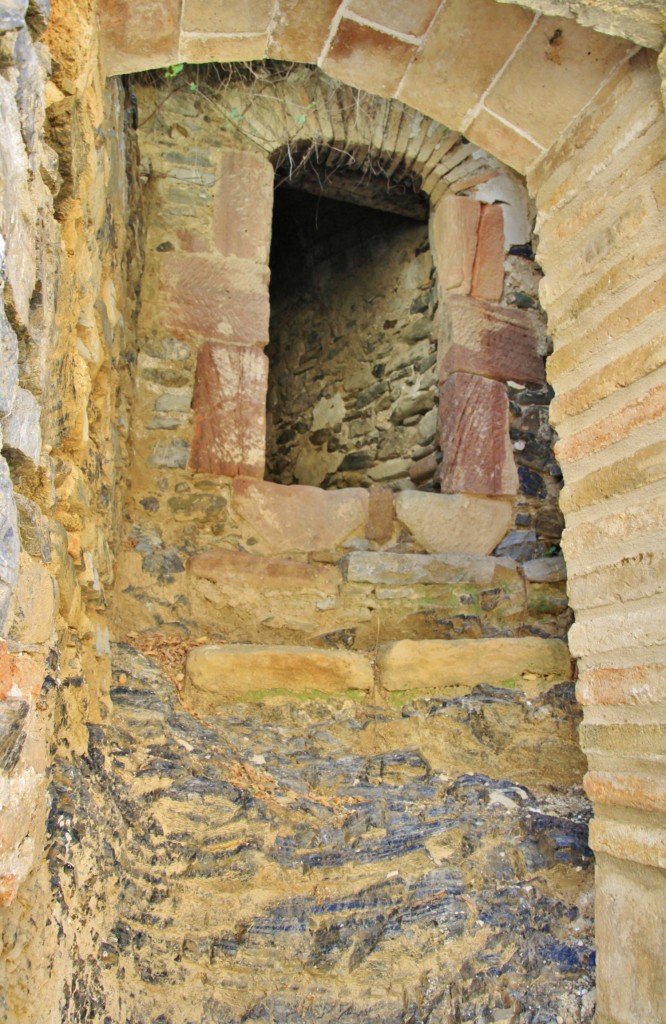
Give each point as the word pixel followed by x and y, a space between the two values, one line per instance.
pixel 217 674
pixel 489 340
pixel 22 428
pixel 454 522
pixel 13 713
pixel 488 271
pixel 229 411
pixel 453 43
pixel 141 35
pixel 300 29
pixel 438 666
pixel 519 544
pixel 368 59
pixel 453 229
pixel 34 529
pixel 9 541
pixel 545 570
pixel 233 17
pixel 556 55
pixel 170 454
pixel 34 603
pixel 242 215
pixel 388 567
pixel 299 518
pixel 254 570
pixel 12 14
pixel 8 364
pixel 477 457
pixel 395 16
pixel 213 298
pixel 501 139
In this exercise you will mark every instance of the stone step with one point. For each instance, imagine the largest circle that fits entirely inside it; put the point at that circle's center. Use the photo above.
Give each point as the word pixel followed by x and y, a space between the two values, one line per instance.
pixel 220 674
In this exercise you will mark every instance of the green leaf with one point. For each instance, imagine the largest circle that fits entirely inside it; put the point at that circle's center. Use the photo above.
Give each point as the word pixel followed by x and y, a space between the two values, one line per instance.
pixel 174 70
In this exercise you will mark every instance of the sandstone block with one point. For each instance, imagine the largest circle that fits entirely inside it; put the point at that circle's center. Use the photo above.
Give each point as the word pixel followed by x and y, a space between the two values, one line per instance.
pixel 503 141
pixel 410 19
pixel 454 42
pixel 262 573
pixel 213 298
pixel 243 211
pixel 489 340
pixel 300 29
pixel 218 674
pixel 454 522
pixel 477 457
pixel 454 225
pixel 380 515
pixel 367 59
pixel 139 35
pixel 437 666
pixel 566 63
pixel 232 17
pixel 407 570
pixel 298 518
pixel 488 271
pixel 229 411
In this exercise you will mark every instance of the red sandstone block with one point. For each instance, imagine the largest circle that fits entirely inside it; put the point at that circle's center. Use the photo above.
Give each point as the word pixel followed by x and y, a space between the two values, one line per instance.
pixel 489 340
pixel 243 212
pixel 368 59
pixel 477 457
pixel 207 297
pixel 488 271
pixel 381 514
pixel 20 675
pixel 229 411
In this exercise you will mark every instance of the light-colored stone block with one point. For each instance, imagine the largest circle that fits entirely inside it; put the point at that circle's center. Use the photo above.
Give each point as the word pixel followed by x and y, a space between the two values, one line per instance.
pixel 454 522
pixel 232 16
pixel 300 29
pixel 218 674
pixel 406 570
pixel 260 573
pixel 411 19
pixel 453 236
pixel 367 59
pixel 439 666
pixel 243 211
pixel 299 518
pixel 141 35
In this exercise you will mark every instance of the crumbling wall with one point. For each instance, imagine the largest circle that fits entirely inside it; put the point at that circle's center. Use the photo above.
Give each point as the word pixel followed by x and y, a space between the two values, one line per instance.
pixel 71 253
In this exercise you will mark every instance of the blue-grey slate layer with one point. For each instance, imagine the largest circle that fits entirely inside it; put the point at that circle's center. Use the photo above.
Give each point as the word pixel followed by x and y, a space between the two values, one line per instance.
pixel 289 863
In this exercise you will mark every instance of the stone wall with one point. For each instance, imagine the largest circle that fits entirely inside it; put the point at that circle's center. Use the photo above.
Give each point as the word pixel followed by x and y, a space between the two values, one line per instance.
pixel 70 238
pixel 602 221
pixel 353 353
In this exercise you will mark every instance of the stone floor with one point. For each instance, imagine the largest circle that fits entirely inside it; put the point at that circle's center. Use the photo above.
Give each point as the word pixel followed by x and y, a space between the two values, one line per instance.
pixel 327 861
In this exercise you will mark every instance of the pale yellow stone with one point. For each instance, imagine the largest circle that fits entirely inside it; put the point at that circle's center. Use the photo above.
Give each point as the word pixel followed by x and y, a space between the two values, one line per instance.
pixel 34 603
pixel 440 666
pixel 443 523
pixel 218 674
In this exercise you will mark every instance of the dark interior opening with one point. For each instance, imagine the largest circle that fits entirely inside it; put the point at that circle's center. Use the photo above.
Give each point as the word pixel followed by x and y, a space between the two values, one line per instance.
pixel 352 382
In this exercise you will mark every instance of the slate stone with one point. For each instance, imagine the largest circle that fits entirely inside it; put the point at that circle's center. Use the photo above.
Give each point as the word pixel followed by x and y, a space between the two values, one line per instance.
pixel 520 545
pixel 12 14
pixel 13 713
pixel 170 454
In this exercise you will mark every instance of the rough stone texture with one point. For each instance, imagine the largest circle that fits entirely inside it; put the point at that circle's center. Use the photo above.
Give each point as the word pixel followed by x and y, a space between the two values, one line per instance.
pixel 455 665
pixel 218 675
pixel 489 340
pixel 299 518
pixel 21 429
pixel 385 567
pixel 229 411
pixel 474 437
pixel 244 206
pixel 468 243
pixel 454 522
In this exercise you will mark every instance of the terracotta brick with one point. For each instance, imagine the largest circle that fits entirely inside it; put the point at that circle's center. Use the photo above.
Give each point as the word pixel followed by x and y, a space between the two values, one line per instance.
pixel 367 59
pixel 453 227
pixel 229 411
pixel 503 141
pixel 553 76
pixel 488 272
pixel 489 340
pixel 301 28
pixel 206 297
pixel 477 457
pixel 231 17
pixel 468 43
pixel 243 212
pixel 411 19
pixel 139 35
